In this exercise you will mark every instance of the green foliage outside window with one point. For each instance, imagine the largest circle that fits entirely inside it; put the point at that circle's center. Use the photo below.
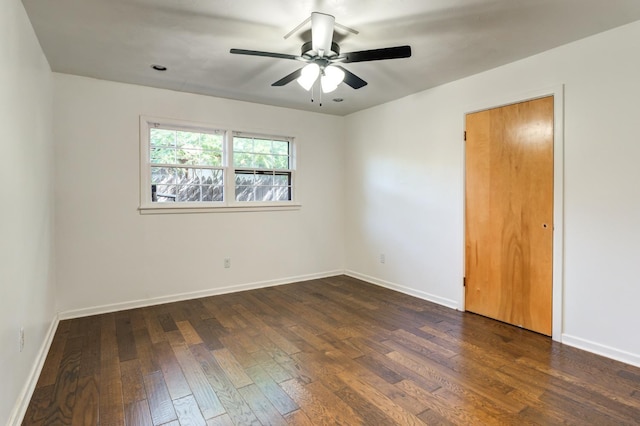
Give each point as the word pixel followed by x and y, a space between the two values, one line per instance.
pixel 260 153
pixel 180 147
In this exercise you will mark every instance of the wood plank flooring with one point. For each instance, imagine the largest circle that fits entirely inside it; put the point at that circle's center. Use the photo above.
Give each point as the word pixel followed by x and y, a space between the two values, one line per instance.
pixel 335 351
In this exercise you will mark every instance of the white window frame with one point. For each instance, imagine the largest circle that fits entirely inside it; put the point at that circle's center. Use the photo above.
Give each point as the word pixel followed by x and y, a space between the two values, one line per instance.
pixel 229 202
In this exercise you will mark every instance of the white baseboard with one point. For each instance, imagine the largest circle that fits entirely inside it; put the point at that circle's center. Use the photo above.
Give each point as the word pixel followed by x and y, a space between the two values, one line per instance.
pixel 599 349
pixel 103 309
pixel 406 290
pixel 22 403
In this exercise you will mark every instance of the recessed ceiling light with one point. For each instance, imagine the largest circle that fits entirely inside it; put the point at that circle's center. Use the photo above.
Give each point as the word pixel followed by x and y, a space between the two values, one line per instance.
pixel 338 99
pixel 159 67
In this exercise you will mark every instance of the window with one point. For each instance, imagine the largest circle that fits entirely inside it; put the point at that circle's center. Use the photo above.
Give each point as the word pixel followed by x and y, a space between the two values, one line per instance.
pixel 262 168
pixel 186 167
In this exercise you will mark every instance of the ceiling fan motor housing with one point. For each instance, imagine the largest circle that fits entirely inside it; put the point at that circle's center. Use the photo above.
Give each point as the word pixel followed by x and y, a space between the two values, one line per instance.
pixel 308 52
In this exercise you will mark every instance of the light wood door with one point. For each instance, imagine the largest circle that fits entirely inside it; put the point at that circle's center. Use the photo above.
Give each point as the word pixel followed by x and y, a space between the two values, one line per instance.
pixel 509 213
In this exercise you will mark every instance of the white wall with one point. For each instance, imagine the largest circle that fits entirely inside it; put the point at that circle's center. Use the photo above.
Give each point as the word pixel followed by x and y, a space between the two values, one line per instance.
pixel 405 185
pixel 26 176
pixel 107 253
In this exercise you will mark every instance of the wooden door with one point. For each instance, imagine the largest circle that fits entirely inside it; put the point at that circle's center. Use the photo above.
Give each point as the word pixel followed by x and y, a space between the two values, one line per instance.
pixel 509 213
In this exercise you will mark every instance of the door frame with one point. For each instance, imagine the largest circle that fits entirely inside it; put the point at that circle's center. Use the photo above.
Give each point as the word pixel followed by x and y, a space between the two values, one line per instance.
pixel 558 193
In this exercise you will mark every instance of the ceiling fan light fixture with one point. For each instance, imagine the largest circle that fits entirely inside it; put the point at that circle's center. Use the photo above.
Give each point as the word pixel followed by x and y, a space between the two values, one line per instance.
pixel 327 85
pixel 331 78
pixel 308 76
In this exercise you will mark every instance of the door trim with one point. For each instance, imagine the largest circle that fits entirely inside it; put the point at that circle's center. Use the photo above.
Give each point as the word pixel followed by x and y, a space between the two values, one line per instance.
pixel 558 193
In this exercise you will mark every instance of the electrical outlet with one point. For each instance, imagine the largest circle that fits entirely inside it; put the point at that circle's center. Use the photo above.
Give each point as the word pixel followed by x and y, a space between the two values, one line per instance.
pixel 382 258
pixel 227 262
pixel 21 339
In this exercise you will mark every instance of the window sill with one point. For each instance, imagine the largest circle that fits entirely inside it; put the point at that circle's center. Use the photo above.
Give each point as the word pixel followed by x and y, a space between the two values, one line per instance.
pixel 230 208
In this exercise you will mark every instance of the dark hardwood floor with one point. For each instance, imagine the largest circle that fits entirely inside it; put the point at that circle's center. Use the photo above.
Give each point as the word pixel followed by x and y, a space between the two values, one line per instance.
pixel 332 351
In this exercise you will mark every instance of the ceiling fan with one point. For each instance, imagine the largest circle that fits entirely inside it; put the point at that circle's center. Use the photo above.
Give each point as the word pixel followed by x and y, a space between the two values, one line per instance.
pixel 323 58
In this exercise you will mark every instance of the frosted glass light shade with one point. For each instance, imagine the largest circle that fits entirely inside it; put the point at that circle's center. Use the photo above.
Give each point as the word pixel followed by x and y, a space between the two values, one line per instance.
pixel 308 76
pixel 331 77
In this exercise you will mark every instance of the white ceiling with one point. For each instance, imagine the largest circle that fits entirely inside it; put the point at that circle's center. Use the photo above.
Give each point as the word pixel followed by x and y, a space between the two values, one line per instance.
pixel 119 40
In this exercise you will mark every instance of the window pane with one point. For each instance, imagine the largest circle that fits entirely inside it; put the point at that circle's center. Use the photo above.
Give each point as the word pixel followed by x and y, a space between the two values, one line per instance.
pixel 242 144
pixel 211 142
pixel 189 184
pixel 280 148
pixel 281 162
pixel 263 193
pixel 242 159
pixel 260 161
pixel 186 193
pixel 162 175
pixel 244 179
pixel 282 193
pixel 244 193
pixel 212 193
pixel 188 139
pixel 211 158
pixel 262 186
pixel 184 147
pixel 262 146
pixel 264 180
pixel 182 175
pixel 281 180
pixel 260 153
pixel 217 177
pixel 177 157
pixel 211 177
pixel 163 155
pixel 162 137
pixel 188 156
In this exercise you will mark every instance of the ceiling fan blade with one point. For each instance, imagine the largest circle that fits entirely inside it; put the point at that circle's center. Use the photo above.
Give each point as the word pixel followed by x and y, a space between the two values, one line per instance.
pixel 267 54
pixel 377 54
pixel 350 79
pixel 322 32
pixel 288 78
